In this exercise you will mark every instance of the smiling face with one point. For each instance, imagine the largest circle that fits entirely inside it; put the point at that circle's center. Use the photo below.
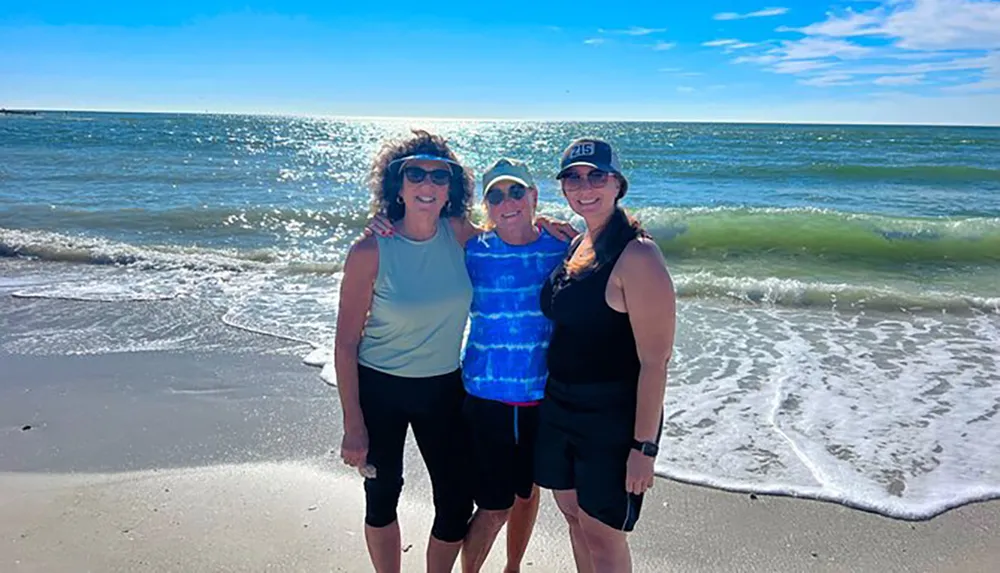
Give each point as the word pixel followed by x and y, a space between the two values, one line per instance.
pixel 512 214
pixel 591 193
pixel 425 186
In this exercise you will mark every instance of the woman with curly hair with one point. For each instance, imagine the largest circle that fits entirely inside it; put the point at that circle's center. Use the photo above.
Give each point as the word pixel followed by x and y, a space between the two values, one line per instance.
pixel 404 303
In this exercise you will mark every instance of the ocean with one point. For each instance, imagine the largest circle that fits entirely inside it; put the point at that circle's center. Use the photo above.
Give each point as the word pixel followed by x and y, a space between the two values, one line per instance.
pixel 839 286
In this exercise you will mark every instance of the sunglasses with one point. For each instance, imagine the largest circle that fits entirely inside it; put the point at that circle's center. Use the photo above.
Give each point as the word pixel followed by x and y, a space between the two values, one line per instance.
pixel 595 178
pixel 415 175
pixel 516 191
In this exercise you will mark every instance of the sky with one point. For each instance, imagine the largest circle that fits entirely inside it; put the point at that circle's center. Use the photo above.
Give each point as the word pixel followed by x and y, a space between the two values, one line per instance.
pixel 847 61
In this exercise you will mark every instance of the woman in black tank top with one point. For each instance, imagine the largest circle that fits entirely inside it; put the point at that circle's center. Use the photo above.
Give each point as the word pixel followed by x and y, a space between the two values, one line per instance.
pixel 613 307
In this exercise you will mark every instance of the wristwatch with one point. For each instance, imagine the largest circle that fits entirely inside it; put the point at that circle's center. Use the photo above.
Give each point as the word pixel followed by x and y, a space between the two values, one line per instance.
pixel 647 448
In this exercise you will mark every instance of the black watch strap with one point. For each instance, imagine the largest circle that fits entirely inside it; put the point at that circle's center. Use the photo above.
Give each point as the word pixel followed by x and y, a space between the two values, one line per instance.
pixel 647 448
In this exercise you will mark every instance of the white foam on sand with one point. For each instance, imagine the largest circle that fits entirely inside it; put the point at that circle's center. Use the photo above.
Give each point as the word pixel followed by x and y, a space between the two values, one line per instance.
pixel 893 414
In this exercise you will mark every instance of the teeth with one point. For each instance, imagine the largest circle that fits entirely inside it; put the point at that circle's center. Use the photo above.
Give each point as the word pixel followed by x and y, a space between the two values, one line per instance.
pixel 590 202
pixel 425 199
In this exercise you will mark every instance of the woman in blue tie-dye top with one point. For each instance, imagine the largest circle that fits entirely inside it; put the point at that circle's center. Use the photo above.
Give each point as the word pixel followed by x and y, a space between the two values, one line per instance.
pixel 504 366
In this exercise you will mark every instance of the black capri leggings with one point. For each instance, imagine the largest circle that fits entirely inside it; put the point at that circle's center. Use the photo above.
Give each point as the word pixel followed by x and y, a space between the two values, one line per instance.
pixel 433 406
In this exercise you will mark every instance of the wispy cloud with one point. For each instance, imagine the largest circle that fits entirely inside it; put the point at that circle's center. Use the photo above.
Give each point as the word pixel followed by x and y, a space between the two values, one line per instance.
pixel 729 45
pixel 660 46
pixel 899 80
pixel 829 80
pixel 594 41
pixel 868 46
pixel 633 31
pixel 685 89
pixel 671 70
pixel 766 12
pixel 720 43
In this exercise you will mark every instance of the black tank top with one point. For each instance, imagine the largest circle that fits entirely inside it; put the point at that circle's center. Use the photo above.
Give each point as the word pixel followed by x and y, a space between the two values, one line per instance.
pixel 591 342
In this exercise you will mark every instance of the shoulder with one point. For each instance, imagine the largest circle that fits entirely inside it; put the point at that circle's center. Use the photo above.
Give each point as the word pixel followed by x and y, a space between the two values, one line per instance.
pixel 363 255
pixel 642 259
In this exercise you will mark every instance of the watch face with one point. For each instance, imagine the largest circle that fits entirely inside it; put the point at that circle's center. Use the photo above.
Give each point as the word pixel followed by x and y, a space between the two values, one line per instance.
pixel 650 449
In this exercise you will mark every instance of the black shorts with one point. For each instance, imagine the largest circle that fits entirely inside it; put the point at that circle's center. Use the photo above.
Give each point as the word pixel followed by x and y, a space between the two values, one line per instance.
pixel 433 408
pixel 584 440
pixel 503 445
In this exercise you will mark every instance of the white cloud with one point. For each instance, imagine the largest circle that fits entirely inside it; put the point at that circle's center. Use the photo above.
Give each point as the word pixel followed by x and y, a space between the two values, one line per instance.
pixel 850 25
pixel 685 89
pixel 919 24
pixel 988 82
pixel 729 44
pixel 720 43
pixel 946 24
pixel 899 80
pixel 634 31
pixel 809 48
pixel 898 41
pixel 660 46
pixel 594 41
pixel 829 80
pixel 758 14
pixel 799 66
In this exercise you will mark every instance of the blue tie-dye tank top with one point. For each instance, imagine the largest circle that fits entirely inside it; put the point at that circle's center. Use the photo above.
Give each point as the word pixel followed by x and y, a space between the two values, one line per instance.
pixel 508 334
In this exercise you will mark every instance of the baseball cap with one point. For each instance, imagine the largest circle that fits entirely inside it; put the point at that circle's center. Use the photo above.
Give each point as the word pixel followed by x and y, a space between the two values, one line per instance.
pixel 594 153
pixel 510 169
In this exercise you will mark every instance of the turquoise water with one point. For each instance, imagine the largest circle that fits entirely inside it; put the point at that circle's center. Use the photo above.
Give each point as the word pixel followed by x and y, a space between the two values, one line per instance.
pixel 840 310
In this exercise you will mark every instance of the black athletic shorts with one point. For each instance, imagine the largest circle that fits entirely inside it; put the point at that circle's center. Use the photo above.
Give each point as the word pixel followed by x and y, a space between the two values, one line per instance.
pixel 584 439
pixel 503 445
pixel 433 408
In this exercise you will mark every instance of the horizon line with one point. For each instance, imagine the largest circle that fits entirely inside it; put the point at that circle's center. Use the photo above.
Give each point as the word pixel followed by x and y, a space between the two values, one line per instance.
pixel 390 118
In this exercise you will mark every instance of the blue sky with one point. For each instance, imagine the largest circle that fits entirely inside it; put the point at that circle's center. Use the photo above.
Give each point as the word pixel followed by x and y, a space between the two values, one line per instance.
pixel 886 61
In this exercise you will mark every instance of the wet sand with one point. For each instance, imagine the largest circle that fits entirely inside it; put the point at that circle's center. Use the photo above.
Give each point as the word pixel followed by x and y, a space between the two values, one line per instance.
pixel 181 461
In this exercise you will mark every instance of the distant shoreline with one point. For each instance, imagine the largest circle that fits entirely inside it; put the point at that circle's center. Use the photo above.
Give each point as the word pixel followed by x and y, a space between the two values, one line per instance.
pixel 40 111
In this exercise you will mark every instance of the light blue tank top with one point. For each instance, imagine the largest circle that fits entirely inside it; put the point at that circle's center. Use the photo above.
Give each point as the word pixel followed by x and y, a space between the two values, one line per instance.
pixel 419 308
pixel 508 334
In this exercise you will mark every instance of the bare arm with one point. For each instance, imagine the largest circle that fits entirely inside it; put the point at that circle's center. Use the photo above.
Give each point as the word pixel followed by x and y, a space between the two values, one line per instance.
pixel 356 291
pixel 464 229
pixel 652 308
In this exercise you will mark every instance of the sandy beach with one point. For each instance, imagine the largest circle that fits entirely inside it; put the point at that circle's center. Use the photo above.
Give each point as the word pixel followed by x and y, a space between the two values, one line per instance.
pixel 220 461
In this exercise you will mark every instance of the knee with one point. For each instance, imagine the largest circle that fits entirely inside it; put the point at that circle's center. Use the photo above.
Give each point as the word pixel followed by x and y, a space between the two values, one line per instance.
pixel 570 509
pixel 605 544
pixel 381 500
pixel 452 514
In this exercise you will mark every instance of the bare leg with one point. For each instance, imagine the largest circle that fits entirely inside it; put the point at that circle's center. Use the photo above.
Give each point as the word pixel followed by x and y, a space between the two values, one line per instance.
pixel 608 546
pixel 384 547
pixel 566 500
pixel 441 555
pixel 519 528
pixel 483 532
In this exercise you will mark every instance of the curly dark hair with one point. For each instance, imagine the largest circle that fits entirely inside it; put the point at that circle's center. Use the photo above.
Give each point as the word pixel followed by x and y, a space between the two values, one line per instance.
pixel 386 183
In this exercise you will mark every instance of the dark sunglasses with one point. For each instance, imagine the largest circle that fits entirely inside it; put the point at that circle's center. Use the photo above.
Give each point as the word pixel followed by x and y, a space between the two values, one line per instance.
pixel 596 178
pixel 516 191
pixel 416 175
